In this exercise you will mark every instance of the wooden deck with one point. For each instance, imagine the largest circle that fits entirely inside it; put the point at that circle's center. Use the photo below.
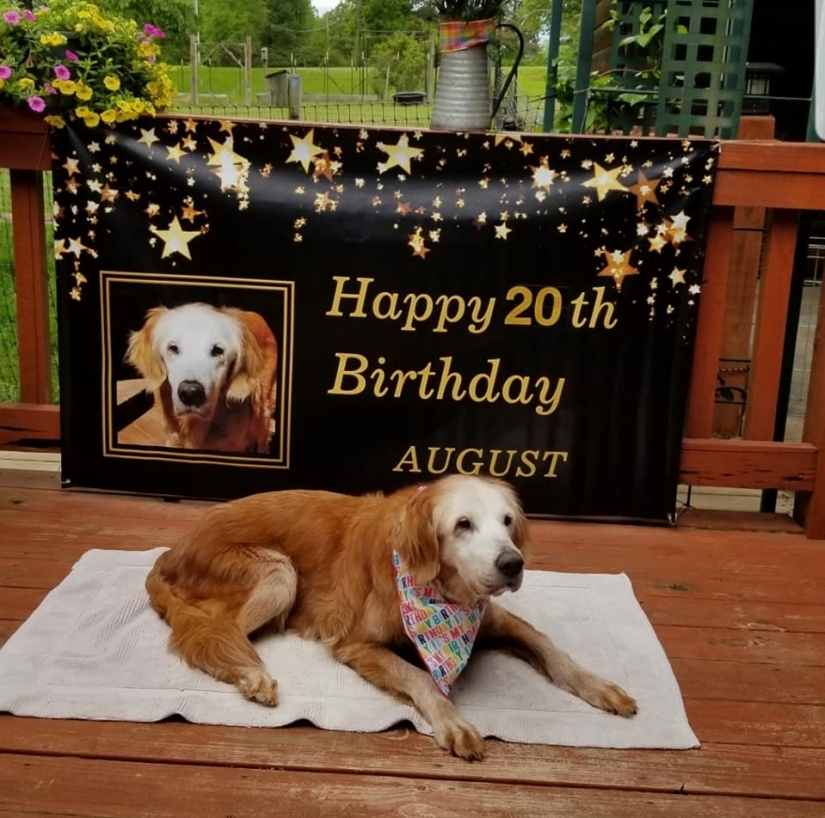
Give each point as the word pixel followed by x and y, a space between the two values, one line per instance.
pixel 741 614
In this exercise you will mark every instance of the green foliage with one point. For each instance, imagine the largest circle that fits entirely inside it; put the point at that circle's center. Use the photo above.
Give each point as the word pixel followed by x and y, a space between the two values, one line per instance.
pixel 174 17
pixel 287 34
pixel 597 103
pixel 232 20
pixel 404 58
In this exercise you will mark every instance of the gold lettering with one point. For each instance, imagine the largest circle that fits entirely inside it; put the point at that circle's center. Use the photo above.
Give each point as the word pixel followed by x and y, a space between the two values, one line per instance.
pixel 412 300
pixel 489 395
pixel 494 459
pixel 445 316
pixel 360 380
pixel 481 320
pixel 524 395
pixel 457 392
pixel 433 452
pixel 526 461
pixel 609 320
pixel 551 403
pixel 400 377
pixel 459 463
pixel 410 459
pixel 424 392
pixel 377 376
pixel 360 297
pixel 391 311
pixel 579 304
pixel 551 472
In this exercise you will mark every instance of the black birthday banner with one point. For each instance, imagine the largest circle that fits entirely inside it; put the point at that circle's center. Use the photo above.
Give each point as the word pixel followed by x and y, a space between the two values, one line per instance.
pixel 247 306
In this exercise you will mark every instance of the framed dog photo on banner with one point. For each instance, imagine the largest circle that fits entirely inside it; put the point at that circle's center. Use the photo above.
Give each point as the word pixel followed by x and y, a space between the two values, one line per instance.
pixel 253 305
pixel 197 370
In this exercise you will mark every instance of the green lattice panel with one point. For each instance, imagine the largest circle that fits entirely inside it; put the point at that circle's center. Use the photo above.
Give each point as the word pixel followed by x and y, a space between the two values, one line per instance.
pixel 703 67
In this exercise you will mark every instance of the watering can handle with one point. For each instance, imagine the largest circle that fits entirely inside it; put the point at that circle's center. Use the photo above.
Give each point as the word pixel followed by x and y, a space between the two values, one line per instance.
pixel 513 70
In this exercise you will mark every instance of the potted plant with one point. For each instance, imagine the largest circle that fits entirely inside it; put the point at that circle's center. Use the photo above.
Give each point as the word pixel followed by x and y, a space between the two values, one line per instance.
pixel 68 61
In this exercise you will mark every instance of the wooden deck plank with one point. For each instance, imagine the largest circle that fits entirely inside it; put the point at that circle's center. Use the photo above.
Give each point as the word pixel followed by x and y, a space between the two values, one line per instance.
pixel 740 614
pixel 763 771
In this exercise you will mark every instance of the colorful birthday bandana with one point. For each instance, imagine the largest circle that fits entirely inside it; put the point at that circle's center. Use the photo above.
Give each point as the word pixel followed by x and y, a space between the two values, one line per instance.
pixel 442 631
pixel 457 35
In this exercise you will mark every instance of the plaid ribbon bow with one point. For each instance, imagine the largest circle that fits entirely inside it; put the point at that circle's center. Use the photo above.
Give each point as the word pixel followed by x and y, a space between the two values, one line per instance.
pixel 457 35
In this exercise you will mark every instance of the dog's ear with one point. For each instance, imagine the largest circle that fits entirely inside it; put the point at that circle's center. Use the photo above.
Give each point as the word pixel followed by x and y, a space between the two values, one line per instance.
pixel 142 354
pixel 257 355
pixel 418 537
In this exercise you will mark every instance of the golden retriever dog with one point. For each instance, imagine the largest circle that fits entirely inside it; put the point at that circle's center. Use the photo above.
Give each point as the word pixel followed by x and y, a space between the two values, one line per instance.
pixel 321 564
pixel 213 374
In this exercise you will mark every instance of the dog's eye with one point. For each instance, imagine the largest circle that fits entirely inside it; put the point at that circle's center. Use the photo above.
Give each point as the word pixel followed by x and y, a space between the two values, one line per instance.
pixel 508 520
pixel 173 348
pixel 464 525
pixel 217 351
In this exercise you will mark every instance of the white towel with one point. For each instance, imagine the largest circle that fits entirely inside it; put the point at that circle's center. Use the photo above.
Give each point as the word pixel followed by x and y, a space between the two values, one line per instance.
pixel 94 649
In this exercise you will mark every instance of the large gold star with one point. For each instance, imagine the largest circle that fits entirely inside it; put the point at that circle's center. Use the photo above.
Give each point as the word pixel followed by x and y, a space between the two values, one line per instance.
pixel 175 239
pixel 605 180
pixel 502 231
pixel 147 137
pixel 399 155
pixel 71 166
pixel 190 124
pixel 303 149
pixel 76 246
pixel 677 277
pixel 228 166
pixel 618 266
pixel 645 191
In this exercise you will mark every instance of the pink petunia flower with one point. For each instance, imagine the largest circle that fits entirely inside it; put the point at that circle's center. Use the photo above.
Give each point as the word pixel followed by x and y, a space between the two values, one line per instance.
pixel 11 17
pixel 37 104
pixel 153 31
pixel 50 88
pixel 5 72
pixel 61 72
pixel 29 15
pixel 70 55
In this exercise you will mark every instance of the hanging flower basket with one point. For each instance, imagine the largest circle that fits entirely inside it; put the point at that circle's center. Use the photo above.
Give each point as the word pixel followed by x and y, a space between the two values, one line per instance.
pixel 68 60
pixel 25 143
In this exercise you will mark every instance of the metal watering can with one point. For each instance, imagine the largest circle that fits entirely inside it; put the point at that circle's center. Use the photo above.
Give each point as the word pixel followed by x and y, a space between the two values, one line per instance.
pixel 462 95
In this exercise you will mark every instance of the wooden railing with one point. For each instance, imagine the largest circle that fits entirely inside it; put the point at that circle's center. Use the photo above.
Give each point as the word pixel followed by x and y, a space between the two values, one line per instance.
pixel 784 178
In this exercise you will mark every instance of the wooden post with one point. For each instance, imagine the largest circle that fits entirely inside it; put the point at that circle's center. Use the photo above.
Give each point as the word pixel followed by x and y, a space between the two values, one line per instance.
pixel 746 251
pixel 809 507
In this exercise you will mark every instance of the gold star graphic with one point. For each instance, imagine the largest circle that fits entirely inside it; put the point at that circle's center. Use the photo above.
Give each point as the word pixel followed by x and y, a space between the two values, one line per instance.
pixel 76 246
pixel 604 180
pixel 60 248
pixel 131 195
pixel 618 266
pixel 504 136
pixel 108 194
pixel 400 155
pixel 75 293
pixel 152 210
pixel 526 148
pixel 189 212
pixel 71 166
pixel 543 175
pixel 416 241
pixel 677 277
pixel 228 166
pixel 174 153
pixel 175 239
pixel 190 125
pixel 645 191
pixel 657 243
pixel 303 150
pixel 226 126
pixel 147 137
pixel 502 231
pixel 189 143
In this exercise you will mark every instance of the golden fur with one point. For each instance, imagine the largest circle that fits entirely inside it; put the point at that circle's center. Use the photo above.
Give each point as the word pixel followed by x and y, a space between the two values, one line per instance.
pixel 236 387
pixel 320 564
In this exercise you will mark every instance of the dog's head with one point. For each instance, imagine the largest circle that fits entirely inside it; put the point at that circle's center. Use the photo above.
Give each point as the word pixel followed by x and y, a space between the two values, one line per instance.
pixel 468 533
pixel 201 351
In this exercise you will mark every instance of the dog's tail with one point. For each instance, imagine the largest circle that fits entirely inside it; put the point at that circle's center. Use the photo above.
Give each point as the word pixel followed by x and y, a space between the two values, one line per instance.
pixel 208 639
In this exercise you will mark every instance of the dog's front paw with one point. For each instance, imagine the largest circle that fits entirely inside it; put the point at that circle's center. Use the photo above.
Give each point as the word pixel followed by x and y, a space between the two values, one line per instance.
pixel 259 687
pixel 460 738
pixel 610 697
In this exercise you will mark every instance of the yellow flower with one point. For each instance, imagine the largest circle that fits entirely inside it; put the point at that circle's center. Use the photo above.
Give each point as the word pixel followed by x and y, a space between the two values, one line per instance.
pixel 153 88
pixel 82 111
pixel 138 106
pixel 55 121
pixel 92 120
pixel 85 15
pixel 52 39
pixel 79 28
pixel 109 116
pixel 112 83
pixel 67 87
pixel 26 82
pixel 83 91
pixel 2 83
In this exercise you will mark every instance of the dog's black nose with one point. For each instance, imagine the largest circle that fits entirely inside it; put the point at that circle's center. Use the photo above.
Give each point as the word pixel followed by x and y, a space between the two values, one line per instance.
pixel 191 393
pixel 509 564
